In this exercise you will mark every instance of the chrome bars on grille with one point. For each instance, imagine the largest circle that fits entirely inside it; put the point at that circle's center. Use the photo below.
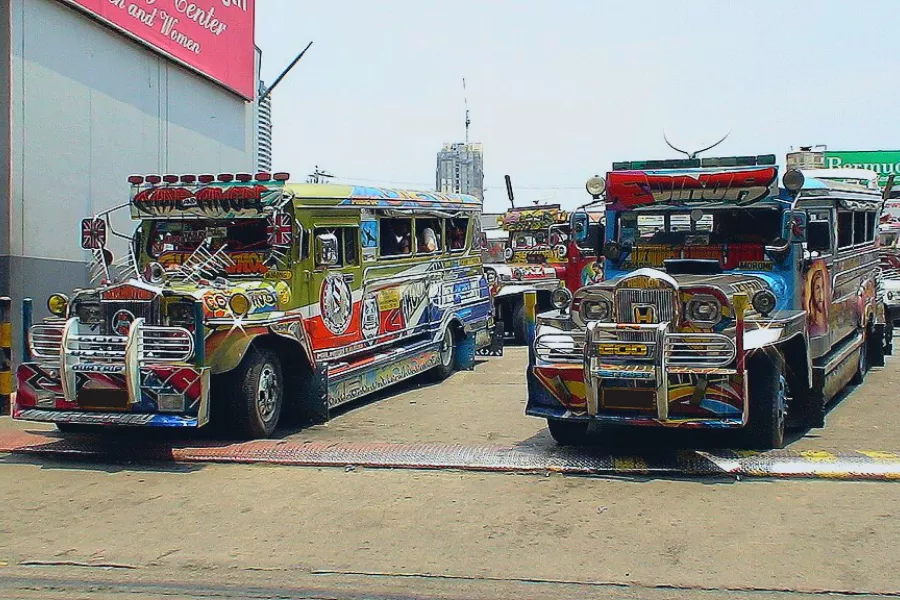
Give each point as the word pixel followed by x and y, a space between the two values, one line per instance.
pixel 662 300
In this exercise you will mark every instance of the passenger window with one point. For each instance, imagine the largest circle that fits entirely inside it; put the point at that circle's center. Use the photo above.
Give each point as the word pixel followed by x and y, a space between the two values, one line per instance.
pixel 428 236
pixel 396 237
pixel 859 227
pixel 870 226
pixel 845 229
pixel 456 234
pixel 347 246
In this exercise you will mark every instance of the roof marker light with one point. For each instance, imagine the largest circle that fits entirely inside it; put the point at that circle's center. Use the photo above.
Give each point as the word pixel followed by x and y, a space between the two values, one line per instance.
pixel 136 179
pixel 263 176
pixel 188 178
pixel 225 177
pixel 281 176
pixel 244 177
pixel 170 178
pixel 153 179
pixel 206 178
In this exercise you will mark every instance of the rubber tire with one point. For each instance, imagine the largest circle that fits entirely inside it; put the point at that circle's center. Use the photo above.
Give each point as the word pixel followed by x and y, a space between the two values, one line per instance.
pixel 863 367
pixel 568 433
pixel 875 352
pixel 246 421
pixel 443 371
pixel 519 324
pixel 767 419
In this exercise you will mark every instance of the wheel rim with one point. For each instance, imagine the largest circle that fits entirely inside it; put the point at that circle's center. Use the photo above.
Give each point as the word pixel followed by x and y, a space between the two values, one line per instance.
pixel 447 349
pixel 267 393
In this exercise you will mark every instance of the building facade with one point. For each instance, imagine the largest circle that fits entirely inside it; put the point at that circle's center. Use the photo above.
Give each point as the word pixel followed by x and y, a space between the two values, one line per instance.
pixel 90 104
pixel 460 169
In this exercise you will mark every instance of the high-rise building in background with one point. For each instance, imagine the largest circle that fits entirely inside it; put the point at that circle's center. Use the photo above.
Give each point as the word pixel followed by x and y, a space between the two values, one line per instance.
pixel 264 134
pixel 460 169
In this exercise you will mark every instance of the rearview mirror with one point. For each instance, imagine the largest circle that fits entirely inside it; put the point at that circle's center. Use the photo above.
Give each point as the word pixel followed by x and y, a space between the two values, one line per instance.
pixel 326 250
pixel 579 223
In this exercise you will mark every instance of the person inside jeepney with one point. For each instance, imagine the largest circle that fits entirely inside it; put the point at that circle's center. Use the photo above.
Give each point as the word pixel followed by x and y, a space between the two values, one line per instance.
pixel 402 236
pixel 457 237
pixel 427 241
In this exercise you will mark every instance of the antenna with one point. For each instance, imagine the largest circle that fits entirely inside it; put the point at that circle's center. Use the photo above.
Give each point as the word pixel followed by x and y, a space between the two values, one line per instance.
pixel 284 73
pixel 509 191
pixel 694 154
pixel 466 101
pixel 318 176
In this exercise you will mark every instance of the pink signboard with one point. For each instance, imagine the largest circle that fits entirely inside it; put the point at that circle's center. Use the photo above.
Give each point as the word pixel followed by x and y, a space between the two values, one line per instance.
pixel 213 37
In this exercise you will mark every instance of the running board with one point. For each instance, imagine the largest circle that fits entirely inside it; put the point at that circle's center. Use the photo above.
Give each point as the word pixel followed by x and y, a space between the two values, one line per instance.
pixel 832 372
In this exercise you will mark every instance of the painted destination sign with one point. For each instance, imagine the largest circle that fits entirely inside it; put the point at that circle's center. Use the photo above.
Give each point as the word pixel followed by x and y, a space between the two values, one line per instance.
pixel 630 189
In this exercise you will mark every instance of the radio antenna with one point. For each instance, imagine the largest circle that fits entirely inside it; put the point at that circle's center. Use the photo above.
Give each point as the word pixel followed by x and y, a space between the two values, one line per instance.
pixel 694 154
pixel 466 102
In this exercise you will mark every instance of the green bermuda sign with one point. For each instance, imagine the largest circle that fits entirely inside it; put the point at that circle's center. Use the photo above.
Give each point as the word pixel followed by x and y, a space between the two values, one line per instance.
pixel 883 162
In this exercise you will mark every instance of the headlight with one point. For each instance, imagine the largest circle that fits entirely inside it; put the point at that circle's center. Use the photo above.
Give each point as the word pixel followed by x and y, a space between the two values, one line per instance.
pixel 764 302
pixel 180 314
pixel 595 186
pixel 491 276
pixel 239 304
pixel 704 310
pixel 57 304
pixel 596 310
pixel 88 312
pixel 561 298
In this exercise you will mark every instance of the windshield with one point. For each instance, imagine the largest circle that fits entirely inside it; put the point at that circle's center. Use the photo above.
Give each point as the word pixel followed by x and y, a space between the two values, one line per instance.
pixel 245 241
pixel 537 239
pixel 737 237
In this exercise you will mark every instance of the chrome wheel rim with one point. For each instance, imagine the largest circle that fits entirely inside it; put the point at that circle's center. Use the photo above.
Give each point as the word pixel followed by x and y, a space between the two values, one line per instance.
pixel 781 415
pixel 446 349
pixel 267 393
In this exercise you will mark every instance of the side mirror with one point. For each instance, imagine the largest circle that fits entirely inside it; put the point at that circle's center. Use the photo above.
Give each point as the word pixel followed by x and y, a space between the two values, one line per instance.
pixel 326 250
pixel 579 224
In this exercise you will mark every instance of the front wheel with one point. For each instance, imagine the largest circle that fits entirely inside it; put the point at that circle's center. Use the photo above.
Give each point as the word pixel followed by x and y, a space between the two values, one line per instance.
pixel 863 366
pixel 446 357
pixel 258 394
pixel 768 401
pixel 520 327
pixel 568 433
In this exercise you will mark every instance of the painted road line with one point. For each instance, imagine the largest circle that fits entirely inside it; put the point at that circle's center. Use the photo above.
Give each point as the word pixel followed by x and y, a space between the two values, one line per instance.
pixel 787 464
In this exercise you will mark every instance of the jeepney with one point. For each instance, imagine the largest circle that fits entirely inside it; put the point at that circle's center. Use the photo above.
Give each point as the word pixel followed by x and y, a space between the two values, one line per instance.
pixel 538 256
pixel 889 251
pixel 244 298
pixel 729 303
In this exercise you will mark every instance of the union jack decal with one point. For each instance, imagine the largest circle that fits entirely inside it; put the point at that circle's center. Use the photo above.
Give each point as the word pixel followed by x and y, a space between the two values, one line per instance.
pixel 279 229
pixel 93 234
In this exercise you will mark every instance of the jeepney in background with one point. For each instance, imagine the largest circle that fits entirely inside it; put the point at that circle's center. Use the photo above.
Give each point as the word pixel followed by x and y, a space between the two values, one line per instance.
pixel 889 251
pixel 728 303
pixel 538 256
pixel 244 298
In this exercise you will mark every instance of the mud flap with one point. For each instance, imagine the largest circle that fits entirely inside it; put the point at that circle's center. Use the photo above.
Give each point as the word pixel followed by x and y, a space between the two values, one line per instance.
pixel 465 353
pixel 496 346
pixel 313 397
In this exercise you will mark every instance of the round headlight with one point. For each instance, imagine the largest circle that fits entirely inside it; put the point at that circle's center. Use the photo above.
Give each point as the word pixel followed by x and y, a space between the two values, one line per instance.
pixel 239 305
pixel 704 309
pixel 793 180
pixel 180 313
pixel 612 251
pixel 87 312
pixel 596 310
pixel 491 276
pixel 764 302
pixel 57 304
pixel 561 298
pixel 508 253
pixel 595 186
pixel 154 272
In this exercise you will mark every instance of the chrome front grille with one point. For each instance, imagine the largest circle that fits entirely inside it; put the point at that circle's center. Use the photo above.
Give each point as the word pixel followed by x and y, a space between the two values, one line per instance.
pixel 663 302
pixel 147 310
pixel 699 350
pixel 46 341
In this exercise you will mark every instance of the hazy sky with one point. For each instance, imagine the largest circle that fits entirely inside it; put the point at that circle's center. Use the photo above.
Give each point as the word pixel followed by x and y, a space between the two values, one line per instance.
pixel 558 90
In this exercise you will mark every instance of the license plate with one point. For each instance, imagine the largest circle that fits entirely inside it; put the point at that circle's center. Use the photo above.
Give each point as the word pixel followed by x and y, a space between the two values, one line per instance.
pixel 109 400
pixel 629 399
pixel 622 349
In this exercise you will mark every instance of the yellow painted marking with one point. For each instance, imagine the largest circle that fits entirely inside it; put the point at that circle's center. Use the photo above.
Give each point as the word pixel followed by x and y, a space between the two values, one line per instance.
pixel 818 456
pixel 5 335
pixel 877 455
pixel 630 463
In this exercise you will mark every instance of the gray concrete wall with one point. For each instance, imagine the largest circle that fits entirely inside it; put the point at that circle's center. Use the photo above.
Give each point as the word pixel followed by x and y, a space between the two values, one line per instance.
pixel 90 107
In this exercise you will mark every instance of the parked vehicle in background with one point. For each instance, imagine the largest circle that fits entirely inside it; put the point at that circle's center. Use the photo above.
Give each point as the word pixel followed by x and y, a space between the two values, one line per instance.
pixel 245 298
pixel 889 252
pixel 729 303
pixel 539 255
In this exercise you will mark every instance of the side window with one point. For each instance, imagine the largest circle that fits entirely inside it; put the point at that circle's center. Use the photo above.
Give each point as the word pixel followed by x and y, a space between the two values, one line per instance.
pixel 457 229
pixel 429 235
pixel 347 246
pixel 395 237
pixel 818 233
pixel 859 227
pixel 845 229
pixel 870 226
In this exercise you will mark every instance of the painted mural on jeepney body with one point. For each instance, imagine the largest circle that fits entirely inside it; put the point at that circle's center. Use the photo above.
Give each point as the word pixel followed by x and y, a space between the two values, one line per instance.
pixel 242 254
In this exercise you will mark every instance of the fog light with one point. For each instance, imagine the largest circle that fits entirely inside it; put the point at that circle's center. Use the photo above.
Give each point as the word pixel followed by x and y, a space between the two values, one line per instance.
pixel 57 304
pixel 561 298
pixel 764 302
pixel 239 304
pixel 170 403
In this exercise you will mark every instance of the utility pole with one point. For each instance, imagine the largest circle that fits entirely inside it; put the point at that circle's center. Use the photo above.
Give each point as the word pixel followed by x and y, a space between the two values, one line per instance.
pixel 466 101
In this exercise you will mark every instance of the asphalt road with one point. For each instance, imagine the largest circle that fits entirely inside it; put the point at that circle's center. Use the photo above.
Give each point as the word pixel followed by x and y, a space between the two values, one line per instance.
pixel 88 530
